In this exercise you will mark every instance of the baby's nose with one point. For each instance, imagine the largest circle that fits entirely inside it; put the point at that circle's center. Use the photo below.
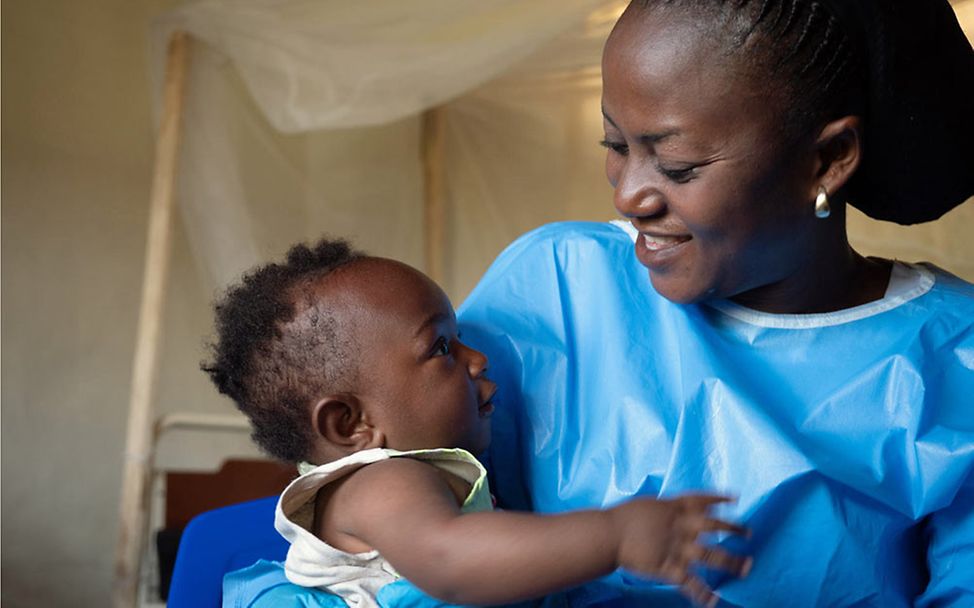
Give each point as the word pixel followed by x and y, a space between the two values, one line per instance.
pixel 476 363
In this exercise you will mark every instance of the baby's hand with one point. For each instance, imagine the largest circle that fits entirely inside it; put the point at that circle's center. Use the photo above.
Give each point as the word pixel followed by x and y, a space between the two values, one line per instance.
pixel 661 539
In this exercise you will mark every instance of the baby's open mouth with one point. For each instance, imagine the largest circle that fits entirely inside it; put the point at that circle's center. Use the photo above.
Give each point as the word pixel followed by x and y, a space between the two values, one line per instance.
pixel 487 407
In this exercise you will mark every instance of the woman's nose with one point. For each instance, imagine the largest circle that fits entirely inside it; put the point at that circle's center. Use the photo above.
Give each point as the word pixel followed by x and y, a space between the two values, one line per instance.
pixel 636 194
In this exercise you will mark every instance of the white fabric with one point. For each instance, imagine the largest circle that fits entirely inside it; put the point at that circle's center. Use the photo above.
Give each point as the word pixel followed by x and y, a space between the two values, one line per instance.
pixel 906 279
pixel 914 281
pixel 356 577
pixel 340 64
pixel 310 561
pixel 269 155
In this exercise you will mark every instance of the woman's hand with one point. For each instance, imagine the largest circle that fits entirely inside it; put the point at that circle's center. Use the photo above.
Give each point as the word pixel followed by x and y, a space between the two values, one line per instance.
pixel 661 539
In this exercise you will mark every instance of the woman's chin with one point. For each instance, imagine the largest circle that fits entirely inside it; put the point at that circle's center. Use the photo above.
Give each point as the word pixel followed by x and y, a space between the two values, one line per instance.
pixel 678 290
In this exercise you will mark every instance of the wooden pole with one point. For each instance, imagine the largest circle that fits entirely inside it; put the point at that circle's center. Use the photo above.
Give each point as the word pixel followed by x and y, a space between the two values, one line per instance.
pixel 434 191
pixel 138 441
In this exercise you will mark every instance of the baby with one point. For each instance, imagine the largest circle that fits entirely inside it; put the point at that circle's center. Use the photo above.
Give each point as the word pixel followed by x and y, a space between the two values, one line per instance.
pixel 354 363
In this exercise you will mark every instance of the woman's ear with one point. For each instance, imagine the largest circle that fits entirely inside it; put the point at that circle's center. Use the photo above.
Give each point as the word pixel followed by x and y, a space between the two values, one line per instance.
pixel 839 151
pixel 341 423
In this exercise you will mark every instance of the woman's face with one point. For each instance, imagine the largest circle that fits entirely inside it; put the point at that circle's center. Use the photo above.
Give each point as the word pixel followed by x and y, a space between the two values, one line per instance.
pixel 695 153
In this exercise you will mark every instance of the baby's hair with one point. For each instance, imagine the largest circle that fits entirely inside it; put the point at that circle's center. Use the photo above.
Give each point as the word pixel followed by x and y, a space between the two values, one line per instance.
pixel 272 364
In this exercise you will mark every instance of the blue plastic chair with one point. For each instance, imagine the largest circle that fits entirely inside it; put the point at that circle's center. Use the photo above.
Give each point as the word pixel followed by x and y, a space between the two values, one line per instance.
pixel 221 541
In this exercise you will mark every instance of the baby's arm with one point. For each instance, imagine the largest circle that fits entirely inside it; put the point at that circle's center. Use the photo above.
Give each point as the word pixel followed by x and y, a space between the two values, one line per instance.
pixel 405 510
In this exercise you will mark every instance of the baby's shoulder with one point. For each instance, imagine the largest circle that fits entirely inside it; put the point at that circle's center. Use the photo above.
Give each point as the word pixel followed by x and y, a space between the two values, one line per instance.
pixel 392 473
pixel 396 481
pixel 373 496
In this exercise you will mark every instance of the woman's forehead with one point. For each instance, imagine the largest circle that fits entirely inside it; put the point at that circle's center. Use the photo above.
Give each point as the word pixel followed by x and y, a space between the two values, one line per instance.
pixel 653 46
pixel 663 73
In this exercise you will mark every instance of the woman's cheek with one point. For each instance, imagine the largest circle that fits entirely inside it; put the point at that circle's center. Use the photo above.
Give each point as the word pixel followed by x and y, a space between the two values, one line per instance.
pixel 613 166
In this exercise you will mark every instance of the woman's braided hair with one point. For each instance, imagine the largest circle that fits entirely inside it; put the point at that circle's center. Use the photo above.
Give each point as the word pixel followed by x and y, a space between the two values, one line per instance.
pixel 271 365
pixel 904 67
pixel 798 45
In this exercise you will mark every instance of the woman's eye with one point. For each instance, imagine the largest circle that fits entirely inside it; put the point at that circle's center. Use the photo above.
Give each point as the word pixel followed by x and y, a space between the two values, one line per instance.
pixel 618 147
pixel 680 176
pixel 441 348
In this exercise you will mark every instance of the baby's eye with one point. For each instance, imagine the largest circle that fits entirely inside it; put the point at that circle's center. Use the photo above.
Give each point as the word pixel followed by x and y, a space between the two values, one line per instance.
pixel 441 348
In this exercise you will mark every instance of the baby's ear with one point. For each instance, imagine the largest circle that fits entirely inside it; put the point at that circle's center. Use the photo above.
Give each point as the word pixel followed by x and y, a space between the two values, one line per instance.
pixel 340 422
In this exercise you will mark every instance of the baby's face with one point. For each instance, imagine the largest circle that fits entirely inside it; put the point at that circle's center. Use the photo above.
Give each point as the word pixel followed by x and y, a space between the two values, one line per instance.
pixel 419 384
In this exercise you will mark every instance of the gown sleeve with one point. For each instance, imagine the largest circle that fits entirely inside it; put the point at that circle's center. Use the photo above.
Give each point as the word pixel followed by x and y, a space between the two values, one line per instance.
pixel 950 553
pixel 950 529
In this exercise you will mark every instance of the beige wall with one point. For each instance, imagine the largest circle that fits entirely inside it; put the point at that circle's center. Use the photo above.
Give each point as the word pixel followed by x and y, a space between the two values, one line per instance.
pixel 77 145
pixel 77 148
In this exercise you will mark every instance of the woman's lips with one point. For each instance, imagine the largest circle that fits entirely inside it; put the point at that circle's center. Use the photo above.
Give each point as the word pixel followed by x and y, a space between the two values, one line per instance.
pixel 656 242
pixel 655 251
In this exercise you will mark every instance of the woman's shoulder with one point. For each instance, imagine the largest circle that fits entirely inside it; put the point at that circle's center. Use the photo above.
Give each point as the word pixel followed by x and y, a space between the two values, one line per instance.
pixel 949 296
pixel 566 235
pixel 948 283
pixel 554 244
pixel 574 229
pixel 536 267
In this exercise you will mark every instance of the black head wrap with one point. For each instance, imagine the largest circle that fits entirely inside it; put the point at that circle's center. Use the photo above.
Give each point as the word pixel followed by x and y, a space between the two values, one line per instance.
pixel 918 160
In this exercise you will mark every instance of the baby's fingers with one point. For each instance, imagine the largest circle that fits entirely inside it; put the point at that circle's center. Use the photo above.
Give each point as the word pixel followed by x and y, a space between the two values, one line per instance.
pixel 716 558
pixel 699 592
pixel 712 524
pixel 693 525
pixel 703 502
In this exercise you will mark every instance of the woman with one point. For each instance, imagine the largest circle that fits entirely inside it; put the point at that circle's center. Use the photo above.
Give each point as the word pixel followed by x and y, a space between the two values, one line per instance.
pixel 760 355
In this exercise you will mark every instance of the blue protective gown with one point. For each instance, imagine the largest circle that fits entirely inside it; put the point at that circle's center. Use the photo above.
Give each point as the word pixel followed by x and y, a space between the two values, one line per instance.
pixel 848 438
pixel 264 585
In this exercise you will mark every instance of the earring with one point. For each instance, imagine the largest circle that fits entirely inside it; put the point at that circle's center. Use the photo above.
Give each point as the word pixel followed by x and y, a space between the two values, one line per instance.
pixel 822 208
